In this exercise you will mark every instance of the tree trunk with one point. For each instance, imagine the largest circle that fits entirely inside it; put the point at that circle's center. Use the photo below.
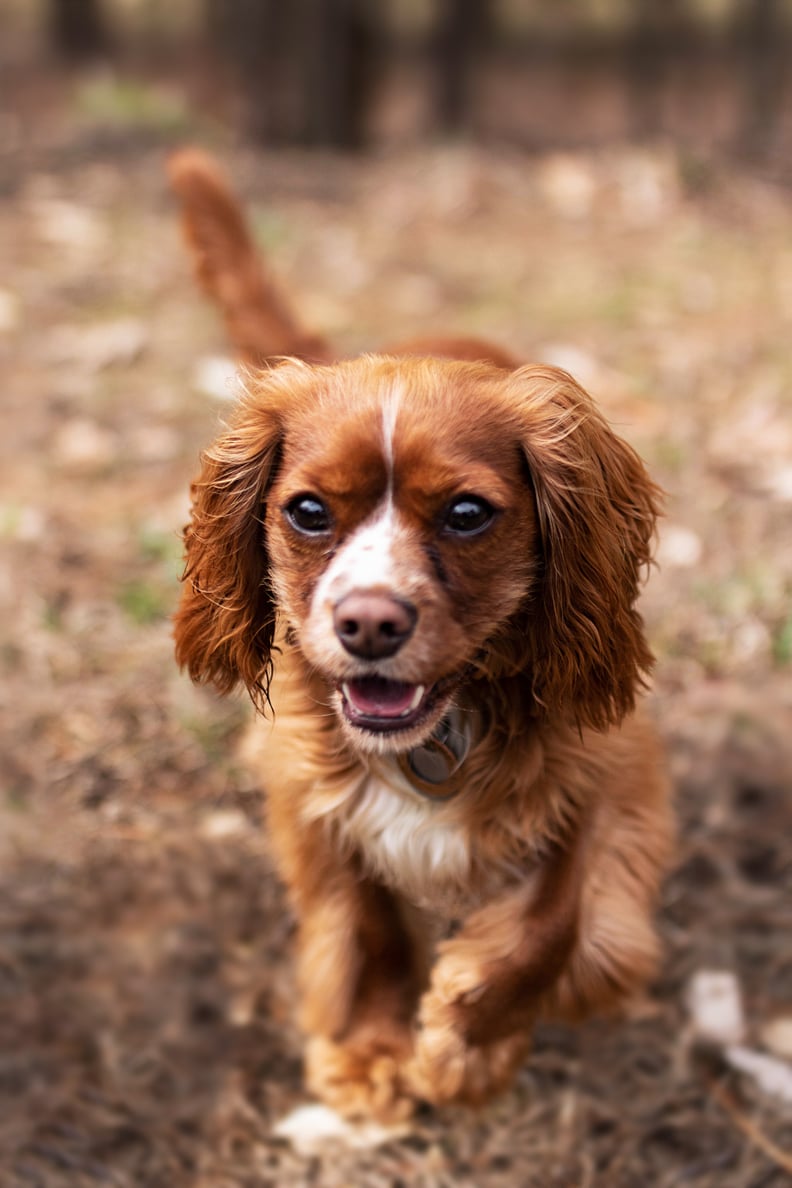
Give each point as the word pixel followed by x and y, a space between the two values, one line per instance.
pixel 462 34
pixel 308 68
pixel 766 50
pixel 77 29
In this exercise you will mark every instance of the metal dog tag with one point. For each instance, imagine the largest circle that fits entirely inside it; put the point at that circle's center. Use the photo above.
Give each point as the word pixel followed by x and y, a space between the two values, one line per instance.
pixel 431 767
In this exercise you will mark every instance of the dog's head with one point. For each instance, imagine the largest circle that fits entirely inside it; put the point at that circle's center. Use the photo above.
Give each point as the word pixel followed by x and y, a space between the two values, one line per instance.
pixel 417 524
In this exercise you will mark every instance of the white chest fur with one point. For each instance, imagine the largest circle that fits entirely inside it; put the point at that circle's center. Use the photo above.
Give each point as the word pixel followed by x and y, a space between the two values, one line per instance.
pixel 416 846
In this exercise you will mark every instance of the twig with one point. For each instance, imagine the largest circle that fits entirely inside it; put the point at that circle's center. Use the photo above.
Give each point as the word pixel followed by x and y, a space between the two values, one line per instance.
pixel 726 1100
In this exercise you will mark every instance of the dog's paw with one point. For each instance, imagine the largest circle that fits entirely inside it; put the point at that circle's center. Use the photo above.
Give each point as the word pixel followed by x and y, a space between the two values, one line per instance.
pixel 485 1001
pixel 362 1081
pixel 456 979
pixel 446 1067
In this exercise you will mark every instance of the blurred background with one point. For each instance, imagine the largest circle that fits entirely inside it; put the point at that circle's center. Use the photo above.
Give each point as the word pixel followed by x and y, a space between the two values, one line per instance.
pixel 595 183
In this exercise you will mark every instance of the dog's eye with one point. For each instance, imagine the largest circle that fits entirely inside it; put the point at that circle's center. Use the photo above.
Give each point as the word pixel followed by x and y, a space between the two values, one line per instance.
pixel 308 514
pixel 468 515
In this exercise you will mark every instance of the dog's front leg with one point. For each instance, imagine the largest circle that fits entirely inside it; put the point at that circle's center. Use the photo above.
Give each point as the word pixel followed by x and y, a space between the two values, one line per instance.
pixel 488 982
pixel 357 976
pixel 358 1045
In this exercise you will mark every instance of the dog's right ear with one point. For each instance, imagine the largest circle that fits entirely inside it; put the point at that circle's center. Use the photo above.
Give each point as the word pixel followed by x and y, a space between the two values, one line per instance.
pixel 225 623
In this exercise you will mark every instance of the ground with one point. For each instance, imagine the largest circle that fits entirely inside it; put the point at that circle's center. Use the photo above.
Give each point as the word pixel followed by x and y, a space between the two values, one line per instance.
pixel 146 1033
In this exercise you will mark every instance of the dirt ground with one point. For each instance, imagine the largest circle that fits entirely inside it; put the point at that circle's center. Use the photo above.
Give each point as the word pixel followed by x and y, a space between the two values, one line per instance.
pixel 146 1037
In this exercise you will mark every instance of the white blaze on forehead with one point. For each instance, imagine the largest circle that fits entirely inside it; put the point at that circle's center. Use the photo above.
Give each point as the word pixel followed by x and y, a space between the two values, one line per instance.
pixel 365 561
pixel 390 410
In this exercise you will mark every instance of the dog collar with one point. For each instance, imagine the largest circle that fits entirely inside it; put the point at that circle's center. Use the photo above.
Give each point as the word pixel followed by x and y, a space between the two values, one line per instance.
pixel 433 768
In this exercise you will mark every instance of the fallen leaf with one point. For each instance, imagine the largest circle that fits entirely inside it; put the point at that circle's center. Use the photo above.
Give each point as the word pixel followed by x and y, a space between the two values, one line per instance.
pixel 312 1128
pixel 773 1076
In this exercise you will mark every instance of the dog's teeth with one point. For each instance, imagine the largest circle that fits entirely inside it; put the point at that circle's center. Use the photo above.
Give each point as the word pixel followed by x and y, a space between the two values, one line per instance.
pixel 345 691
pixel 416 700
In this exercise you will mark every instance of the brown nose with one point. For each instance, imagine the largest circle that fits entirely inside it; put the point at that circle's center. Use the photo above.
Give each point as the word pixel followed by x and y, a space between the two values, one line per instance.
pixel 373 626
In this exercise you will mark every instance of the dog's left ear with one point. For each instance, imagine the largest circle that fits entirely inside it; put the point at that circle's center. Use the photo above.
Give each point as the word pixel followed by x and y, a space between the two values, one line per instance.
pixel 597 511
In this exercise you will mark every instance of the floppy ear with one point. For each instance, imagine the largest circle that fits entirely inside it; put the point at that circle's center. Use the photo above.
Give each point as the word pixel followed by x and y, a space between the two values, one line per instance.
pixel 597 510
pixel 225 623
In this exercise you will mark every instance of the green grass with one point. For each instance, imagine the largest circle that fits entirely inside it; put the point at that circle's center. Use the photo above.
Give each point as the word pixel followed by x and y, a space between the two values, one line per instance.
pixel 52 615
pixel 214 731
pixel 16 799
pixel 754 588
pixel 10 520
pixel 782 643
pixel 125 103
pixel 145 602
pixel 271 229
pixel 163 547
pixel 671 454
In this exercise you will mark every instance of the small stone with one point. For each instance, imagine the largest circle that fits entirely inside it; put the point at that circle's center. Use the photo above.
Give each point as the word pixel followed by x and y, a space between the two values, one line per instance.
pixel 679 547
pixel 751 639
pixel 779 484
pixel 68 225
pixel 242 1009
pixel 715 1006
pixel 568 184
pixel 224 823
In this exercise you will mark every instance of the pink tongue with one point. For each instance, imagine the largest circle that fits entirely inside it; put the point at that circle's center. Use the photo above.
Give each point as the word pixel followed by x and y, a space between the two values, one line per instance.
pixel 379 697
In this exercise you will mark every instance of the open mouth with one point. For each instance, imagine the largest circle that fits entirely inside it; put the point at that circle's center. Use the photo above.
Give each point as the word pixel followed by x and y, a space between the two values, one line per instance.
pixel 379 704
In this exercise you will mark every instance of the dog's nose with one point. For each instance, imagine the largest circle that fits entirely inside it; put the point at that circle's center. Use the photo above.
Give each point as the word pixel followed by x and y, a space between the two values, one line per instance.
pixel 373 626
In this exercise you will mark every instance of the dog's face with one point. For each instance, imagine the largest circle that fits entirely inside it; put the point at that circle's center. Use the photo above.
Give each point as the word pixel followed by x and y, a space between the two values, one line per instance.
pixel 401 534
pixel 418 523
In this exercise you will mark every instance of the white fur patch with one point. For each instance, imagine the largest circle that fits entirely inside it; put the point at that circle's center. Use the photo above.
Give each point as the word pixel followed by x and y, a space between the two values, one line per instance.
pixel 420 848
pixel 411 844
pixel 390 409
pixel 364 562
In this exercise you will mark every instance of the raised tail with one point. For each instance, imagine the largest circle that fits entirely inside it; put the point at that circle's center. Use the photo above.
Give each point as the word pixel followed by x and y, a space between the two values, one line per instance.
pixel 259 322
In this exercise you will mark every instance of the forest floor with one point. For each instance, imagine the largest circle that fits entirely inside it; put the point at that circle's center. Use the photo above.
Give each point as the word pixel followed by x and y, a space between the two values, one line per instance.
pixel 146 1031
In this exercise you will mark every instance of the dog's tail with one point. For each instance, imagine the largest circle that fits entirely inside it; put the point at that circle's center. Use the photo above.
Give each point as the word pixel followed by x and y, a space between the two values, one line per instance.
pixel 258 320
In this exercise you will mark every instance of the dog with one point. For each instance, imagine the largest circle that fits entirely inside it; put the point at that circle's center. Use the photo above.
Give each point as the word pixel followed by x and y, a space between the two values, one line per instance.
pixel 425 563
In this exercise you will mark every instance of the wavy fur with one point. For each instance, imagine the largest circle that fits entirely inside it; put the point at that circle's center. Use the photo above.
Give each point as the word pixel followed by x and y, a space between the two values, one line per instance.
pixel 435 926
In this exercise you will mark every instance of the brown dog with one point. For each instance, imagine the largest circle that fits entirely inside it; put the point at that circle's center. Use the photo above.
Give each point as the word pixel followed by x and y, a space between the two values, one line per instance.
pixel 427 563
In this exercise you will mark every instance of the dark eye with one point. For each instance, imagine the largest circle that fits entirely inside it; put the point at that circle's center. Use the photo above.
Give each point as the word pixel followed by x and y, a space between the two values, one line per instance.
pixel 306 513
pixel 467 515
